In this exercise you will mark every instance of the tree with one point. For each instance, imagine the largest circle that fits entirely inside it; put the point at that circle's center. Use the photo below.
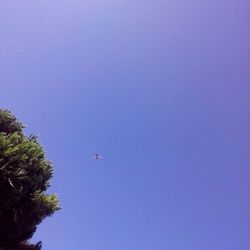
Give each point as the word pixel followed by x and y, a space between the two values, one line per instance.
pixel 24 178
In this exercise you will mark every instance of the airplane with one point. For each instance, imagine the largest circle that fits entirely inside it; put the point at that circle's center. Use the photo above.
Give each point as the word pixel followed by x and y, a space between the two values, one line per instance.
pixel 97 157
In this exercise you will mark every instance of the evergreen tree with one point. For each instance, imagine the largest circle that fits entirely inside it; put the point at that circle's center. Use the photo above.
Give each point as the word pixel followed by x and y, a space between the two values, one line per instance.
pixel 24 178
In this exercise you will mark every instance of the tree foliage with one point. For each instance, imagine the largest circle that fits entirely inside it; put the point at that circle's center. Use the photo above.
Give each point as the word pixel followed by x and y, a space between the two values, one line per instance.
pixel 24 178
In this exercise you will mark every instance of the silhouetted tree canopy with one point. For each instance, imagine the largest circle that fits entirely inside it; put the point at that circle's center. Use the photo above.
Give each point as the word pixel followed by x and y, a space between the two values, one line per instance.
pixel 24 178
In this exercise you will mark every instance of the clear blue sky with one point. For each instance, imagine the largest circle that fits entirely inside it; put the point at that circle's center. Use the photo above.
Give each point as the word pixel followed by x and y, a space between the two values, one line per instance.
pixel 161 89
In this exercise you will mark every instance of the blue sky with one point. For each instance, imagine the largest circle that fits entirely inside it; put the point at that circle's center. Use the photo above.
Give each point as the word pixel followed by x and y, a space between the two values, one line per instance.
pixel 161 90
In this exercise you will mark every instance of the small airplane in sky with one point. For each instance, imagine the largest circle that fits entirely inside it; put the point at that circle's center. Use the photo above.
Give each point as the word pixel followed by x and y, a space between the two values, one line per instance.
pixel 97 157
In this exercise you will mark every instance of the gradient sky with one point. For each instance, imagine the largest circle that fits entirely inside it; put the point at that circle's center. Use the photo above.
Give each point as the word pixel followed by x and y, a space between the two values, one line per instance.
pixel 161 89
